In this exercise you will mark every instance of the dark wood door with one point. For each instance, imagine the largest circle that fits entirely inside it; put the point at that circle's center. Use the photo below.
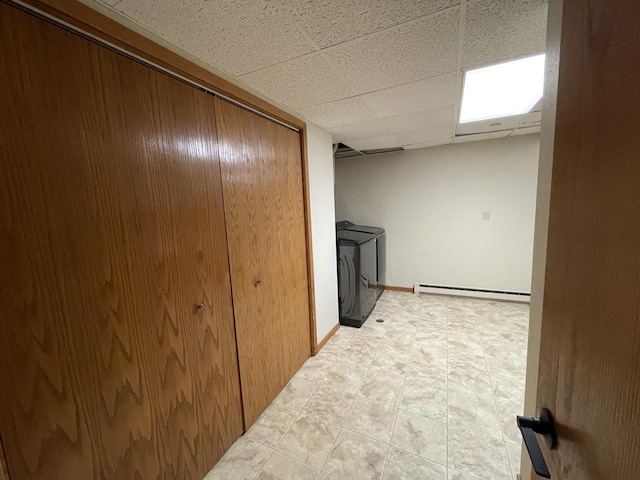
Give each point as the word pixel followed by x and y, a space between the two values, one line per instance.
pixel 112 234
pixel 590 349
pixel 262 183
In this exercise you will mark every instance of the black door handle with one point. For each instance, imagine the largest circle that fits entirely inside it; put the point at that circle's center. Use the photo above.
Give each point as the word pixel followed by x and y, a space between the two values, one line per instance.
pixel 544 426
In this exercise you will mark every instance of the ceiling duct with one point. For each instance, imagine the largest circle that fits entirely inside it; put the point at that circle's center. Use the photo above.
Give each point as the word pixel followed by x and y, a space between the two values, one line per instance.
pixel 340 150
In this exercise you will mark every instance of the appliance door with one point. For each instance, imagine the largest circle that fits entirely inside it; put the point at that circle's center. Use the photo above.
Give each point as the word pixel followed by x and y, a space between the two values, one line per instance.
pixel 368 274
pixel 381 247
pixel 346 280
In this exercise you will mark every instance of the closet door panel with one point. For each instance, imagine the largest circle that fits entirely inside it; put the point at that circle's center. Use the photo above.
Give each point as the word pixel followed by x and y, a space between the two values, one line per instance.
pixel 112 234
pixel 262 183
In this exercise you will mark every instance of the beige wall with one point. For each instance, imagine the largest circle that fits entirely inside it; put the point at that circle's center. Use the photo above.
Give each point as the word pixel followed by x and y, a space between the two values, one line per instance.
pixel 431 202
pixel 320 151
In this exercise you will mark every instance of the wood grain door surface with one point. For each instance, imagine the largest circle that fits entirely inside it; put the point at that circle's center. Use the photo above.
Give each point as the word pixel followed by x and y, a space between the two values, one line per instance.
pixel 589 374
pixel 112 233
pixel 262 183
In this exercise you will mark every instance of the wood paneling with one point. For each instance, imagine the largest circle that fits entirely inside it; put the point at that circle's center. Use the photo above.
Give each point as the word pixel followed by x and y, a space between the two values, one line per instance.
pixel 590 348
pixel 91 21
pixel 264 205
pixel 112 232
pixel 4 475
pixel 398 289
pixel 79 15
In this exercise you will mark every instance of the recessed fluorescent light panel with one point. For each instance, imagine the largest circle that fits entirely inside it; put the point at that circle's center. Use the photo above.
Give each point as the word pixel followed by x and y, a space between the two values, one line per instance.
pixel 510 88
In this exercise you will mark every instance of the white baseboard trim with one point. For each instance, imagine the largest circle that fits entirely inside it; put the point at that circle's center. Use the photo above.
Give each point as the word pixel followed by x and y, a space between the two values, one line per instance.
pixel 471 292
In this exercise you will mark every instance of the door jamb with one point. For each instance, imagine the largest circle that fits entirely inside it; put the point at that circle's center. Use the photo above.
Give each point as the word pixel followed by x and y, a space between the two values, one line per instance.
pixel 543 197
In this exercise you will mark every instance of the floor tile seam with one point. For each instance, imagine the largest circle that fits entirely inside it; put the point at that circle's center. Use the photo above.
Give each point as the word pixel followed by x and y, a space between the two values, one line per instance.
pixel 476 431
pixel 350 408
pixel 315 389
pixel 369 436
pixel 287 431
pixel 395 421
pixel 512 335
pixel 386 458
pixel 492 396
pixel 447 392
pixel 273 450
pixel 420 456
pixel 504 447
pixel 320 470
pixel 324 374
pixel 289 455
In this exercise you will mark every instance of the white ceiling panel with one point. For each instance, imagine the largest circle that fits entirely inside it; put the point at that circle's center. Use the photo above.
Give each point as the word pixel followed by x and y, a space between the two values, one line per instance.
pixel 481 136
pixel 526 131
pixel 412 51
pixel 491 125
pixel 421 120
pixel 425 135
pixel 370 70
pixel 302 82
pixel 358 131
pixel 500 30
pixel 230 34
pixel 416 96
pixel 341 112
pixel 333 22
pixel 434 143
pixel 386 141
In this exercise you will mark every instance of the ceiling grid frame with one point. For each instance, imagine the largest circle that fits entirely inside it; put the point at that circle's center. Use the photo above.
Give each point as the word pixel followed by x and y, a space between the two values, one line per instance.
pixel 339 96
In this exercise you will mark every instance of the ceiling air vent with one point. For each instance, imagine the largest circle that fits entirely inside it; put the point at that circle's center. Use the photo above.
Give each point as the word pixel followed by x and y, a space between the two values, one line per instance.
pixel 344 151
pixel 377 151
pixel 340 150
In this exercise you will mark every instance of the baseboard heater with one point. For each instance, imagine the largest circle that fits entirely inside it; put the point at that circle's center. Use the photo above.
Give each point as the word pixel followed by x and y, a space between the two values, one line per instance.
pixel 471 292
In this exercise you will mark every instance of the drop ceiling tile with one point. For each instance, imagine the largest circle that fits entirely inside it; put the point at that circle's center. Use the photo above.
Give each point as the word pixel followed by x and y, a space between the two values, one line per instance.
pixel 500 30
pixel 491 125
pixel 433 143
pixel 332 22
pixel 416 96
pixel 301 82
pixel 358 131
pixel 386 141
pixel 526 131
pixel 341 112
pixel 481 136
pixel 425 135
pixel 421 120
pixel 237 36
pixel 416 50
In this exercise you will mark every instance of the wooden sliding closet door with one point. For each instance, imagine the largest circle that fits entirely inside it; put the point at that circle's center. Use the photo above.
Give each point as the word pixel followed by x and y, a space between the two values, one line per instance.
pixel 112 235
pixel 263 195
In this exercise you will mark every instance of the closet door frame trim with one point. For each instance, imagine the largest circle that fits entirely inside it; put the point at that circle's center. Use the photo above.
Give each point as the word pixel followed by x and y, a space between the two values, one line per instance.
pixel 86 21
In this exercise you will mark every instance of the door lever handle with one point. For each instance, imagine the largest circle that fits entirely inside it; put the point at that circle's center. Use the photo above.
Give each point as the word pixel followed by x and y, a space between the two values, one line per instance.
pixel 544 426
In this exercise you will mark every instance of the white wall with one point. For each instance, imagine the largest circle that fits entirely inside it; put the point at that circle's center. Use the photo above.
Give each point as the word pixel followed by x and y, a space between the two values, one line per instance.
pixel 431 202
pixel 320 154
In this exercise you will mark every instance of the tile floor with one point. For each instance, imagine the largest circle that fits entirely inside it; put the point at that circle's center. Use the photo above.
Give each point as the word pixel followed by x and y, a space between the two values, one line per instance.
pixel 431 393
